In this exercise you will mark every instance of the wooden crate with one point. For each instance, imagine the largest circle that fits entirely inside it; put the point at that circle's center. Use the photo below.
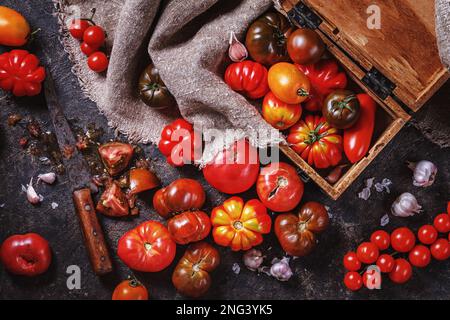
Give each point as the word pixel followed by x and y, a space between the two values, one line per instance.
pixel 397 65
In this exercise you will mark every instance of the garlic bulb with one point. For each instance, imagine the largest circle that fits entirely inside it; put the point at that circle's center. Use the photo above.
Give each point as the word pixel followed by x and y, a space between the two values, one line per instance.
pixel 424 173
pixel 406 205
pixel 49 178
pixel 281 270
pixel 237 51
pixel 253 259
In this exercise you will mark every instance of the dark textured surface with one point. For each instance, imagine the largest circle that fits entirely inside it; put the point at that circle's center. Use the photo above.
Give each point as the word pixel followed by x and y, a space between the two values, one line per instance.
pixel 318 276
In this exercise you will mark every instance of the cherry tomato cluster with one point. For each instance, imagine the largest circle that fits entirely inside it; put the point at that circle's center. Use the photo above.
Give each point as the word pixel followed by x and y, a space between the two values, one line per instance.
pixel 402 242
pixel 92 39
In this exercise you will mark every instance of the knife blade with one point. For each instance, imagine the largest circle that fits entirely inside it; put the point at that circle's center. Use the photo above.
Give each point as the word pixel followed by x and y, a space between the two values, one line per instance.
pixel 79 180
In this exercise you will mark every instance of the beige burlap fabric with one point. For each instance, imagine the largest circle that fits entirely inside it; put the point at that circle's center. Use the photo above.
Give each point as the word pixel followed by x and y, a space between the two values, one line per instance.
pixel 187 40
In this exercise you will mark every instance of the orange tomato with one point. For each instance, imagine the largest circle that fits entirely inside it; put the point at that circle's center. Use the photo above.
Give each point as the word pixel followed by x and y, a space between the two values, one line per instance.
pixel 130 290
pixel 14 29
pixel 288 83
pixel 279 114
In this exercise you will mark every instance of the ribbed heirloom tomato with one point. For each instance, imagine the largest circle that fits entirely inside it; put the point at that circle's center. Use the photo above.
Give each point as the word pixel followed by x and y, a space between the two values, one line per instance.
pixel 247 77
pixel 240 225
pixel 279 114
pixel 148 247
pixel 279 187
pixel 316 142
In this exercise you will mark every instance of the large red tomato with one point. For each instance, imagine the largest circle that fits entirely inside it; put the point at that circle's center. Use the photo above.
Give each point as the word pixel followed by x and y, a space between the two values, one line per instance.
pixel 240 225
pixel 234 170
pixel 316 142
pixel 279 187
pixel 248 77
pixel 148 247
pixel 26 255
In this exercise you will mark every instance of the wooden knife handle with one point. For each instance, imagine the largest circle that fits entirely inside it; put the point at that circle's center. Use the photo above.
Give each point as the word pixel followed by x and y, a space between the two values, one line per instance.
pixel 93 234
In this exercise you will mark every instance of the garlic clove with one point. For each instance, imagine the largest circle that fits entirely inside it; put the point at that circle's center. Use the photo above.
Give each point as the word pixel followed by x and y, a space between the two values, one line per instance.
pixel 424 173
pixel 237 51
pixel 48 178
pixel 281 270
pixel 253 259
pixel 32 195
pixel 406 205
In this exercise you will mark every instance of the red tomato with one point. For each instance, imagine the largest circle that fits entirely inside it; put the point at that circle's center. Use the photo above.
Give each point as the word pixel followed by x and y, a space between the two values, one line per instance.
pixel 427 234
pixel 351 262
pixel 357 139
pixel 98 62
pixel 372 279
pixel 94 36
pixel 113 202
pixel 77 28
pixel 130 290
pixel 279 114
pixel 26 255
pixel 234 170
pixel 20 73
pixel 288 83
pixel 386 263
pixel 190 226
pixel 402 271
pixel 442 223
pixel 279 187
pixel 381 239
pixel 248 77
pixel 353 281
pixel 316 142
pixel 441 249
pixel 148 247
pixel 88 49
pixel 367 253
pixel 116 156
pixel 240 225
pixel 420 256
pixel 179 143
pixel 403 239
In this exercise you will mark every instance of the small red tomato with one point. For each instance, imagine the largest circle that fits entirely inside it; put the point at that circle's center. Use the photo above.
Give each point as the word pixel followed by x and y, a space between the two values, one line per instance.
pixel 441 249
pixel 427 234
pixel 94 36
pixel 26 255
pixel 402 271
pixel 403 239
pixel 87 49
pixel 77 28
pixel 98 61
pixel 381 239
pixel 420 256
pixel 367 252
pixel 442 223
pixel 351 262
pixel 353 281
pixel 386 263
pixel 372 279
pixel 130 290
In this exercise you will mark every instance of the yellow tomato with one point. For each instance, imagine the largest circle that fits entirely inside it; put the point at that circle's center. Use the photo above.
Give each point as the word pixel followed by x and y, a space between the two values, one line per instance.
pixel 14 29
pixel 288 83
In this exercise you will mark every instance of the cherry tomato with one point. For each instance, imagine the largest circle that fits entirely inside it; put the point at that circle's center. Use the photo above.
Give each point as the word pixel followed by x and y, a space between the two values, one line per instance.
pixel 353 281
pixel 367 253
pixel 234 170
pixel 305 46
pixel 386 263
pixel 351 262
pixel 130 290
pixel 279 187
pixel 77 28
pixel 381 239
pixel 98 62
pixel 14 28
pixel 142 179
pixel 441 249
pixel 26 255
pixel 280 114
pixel 427 234
pixel 148 247
pixel 371 279
pixel 94 36
pixel 442 223
pixel 402 271
pixel 288 83
pixel 87 49
pixel 403 239
pixel 420 256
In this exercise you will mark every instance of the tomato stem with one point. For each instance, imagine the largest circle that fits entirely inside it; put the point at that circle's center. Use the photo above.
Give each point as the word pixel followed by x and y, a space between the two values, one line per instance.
pixel 302 92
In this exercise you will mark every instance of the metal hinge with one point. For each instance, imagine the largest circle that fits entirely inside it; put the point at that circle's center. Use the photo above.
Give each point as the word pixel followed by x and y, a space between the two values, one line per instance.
pixel 304 16
pixel 379 84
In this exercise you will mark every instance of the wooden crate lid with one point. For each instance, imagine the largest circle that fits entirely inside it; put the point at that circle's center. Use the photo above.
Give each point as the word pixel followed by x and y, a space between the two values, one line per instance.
pixel 404 49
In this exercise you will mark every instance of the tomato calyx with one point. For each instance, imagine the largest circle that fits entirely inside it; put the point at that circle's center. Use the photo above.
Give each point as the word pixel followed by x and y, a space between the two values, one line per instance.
pixel 344 104
pixel 314 136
